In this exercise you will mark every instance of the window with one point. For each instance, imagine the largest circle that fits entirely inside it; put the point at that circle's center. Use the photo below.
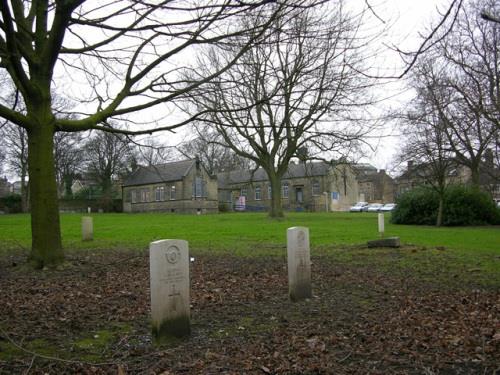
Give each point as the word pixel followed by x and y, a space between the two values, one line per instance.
pixel 269 192
pixel 243 192
pixel 258 194
pixel 145 195
pixel 316 188
pixel 160 193
pixel 172 192
pixel 133 196
pixel 285 190
pixel 198 187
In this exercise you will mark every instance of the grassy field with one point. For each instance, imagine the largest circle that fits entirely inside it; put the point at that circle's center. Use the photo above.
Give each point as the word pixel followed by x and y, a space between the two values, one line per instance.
pixel 429 250
pixel 245 233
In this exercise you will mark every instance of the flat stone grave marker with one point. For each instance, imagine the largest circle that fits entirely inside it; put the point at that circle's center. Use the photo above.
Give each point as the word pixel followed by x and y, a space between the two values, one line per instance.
pixel 169 278
pixel 87 228
pixel 385 242
pixel 299 263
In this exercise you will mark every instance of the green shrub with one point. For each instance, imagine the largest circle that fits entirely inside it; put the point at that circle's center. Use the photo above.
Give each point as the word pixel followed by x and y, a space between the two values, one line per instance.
pixel 461 206
pixel 468 206
pixel 11 204
pixel 417 206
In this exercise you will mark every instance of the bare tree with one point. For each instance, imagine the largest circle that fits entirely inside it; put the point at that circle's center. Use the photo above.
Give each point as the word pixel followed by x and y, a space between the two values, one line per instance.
pixel 122 58
pixel 106 158
pixel 68 155
pixel 15 141
pixel 298 90
pixel 426 139
pixel 151 152
pixel 466 92
pixel 211 150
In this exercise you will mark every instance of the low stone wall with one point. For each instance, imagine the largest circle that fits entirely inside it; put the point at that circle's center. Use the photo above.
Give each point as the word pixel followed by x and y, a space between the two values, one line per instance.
pixel 96 205
pixel 175 206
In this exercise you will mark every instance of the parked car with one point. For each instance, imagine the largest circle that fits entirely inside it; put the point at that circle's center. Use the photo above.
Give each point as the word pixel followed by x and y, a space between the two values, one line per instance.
pixel 388 207
pixel 358 207
pixel 373 207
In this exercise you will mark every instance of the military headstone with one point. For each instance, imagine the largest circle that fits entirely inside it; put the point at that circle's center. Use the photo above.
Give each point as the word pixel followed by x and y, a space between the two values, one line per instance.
pixel 169 277
pixel 299 263
pixel 87 229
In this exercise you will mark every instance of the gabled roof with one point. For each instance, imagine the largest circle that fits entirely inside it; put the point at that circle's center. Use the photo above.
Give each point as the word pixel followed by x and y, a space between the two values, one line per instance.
pixel 225 179
pixel 167 172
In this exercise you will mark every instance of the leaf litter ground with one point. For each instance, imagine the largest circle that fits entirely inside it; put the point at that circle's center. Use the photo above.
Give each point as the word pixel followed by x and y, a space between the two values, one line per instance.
pixel 92 317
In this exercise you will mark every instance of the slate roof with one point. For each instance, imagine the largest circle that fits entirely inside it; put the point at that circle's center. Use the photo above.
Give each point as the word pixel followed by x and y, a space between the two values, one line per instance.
pixel 174 171
pixel 225 179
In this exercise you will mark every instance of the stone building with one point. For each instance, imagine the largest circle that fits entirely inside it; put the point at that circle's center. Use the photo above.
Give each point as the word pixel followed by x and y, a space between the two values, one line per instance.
pixel 374 185
pixel 5 187
pixel 420 175
pixel 315 186
pixel 182 186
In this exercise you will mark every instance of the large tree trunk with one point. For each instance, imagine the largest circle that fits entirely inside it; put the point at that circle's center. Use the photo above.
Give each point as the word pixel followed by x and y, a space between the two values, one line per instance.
pixel 276 210
pixel 475 176
pixel 46 248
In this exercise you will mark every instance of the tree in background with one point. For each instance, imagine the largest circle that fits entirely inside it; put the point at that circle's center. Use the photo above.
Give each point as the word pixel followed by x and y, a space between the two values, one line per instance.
pixel 106 157
pixel 298 90
pixel 68 155
pixel 121 58
pixel 216 156
pixel 426 140
pixel 463 87
pixel 15 141
pixel 151 152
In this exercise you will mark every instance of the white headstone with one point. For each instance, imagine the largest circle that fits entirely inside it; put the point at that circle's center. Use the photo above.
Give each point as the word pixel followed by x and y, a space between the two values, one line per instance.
pixel 381 224
pixel 299 263
pixel 169 276
pixel 87 228
pixel 89 210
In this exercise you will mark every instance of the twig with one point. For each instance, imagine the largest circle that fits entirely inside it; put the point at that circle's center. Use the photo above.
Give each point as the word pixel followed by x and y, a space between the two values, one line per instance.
pixel 31 365
pixel 35 354
pixel 345 358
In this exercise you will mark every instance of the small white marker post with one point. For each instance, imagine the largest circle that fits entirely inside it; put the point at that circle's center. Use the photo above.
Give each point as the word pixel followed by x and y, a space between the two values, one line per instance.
pixel 381 225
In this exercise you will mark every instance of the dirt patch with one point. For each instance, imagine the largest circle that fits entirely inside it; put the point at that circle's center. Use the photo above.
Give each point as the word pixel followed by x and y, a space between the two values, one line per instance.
pixel 94 317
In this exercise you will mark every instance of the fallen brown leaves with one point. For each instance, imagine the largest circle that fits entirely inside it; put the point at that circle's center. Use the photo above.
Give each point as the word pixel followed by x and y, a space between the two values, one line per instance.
pixel 361 320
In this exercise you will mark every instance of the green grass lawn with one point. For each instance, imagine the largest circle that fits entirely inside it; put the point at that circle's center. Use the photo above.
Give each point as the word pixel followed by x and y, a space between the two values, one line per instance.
pixel 245 232
pixel 446 251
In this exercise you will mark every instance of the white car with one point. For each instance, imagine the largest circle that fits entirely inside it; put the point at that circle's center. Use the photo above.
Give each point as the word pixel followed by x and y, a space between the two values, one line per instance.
pixel 358 207
pixel 388 207
pixel 374 207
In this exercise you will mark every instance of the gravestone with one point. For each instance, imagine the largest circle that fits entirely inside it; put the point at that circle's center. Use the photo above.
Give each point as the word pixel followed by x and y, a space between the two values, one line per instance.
pixel 385 242
pixel 169 277
pixel 87 229
pixel 299 263
pixel 381 224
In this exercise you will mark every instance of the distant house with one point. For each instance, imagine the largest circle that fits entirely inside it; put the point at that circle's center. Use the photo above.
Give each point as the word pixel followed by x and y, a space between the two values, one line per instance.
pixel 374 185
pixel 418 175
pixel 182 186
pixel 315 186
pixel 5 187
